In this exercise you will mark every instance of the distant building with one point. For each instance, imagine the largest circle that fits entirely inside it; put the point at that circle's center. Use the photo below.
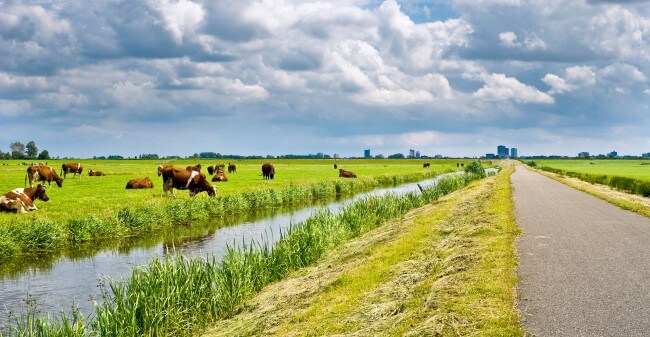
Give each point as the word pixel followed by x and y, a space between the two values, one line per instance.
pixel 411 153
pixel 583 155
pixel 336 156
pixel 320 155
pixel 417 154
pixel 490 156
pixel 502 151
pixel 513 152
pixel 645 155
pixel 366 154
pixel 438 156
pixel 613 154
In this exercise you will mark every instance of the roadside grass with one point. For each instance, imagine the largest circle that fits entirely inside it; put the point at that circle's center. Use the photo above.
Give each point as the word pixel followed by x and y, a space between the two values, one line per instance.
pixel 179 296
pixel 449 269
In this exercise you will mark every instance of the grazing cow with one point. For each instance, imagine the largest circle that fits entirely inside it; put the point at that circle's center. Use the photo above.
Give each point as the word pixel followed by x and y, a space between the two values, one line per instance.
pixel 335 166
pixel 195 182
pixel 71 168
pixel 232 168
pixel 92 173
pixel 220 176
pixel 346 174
pixel 139 183
pixel 196 168
pixel 42 173
pixel 210 170
pixel 268 171
pixel 425 165
pixel 21 200
pixel 462 164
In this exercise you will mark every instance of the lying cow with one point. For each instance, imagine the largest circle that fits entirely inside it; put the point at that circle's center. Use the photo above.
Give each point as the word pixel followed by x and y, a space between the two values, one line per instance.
pixel 219 176
pixel 178 178
pixel 95 173
pixel 75 168
pixel 21 200
pixel 42 173
pixel 139 183
pixel 346 174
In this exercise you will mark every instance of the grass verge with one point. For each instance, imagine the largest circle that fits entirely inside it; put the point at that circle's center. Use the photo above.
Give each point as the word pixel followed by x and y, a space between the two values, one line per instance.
pixel 447 269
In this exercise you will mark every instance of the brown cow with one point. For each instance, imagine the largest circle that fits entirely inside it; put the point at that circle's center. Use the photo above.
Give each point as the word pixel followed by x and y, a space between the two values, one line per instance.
pixel 268 171
pixel 92 173
pixel 21 200
pixel 232 168
pixel 210 170
pixel 178 178
pixel 161 167
pixel 220 168
pixel 220 176
pixel 71 168
pixel 139 183
pixel 42 173
pixel 425 165
pixel 346 174
pixel 196 168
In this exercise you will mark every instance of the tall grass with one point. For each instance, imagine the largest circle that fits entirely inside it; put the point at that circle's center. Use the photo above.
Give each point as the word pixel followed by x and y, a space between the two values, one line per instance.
pixel 180 296
pixel 42 235
pixel 627 184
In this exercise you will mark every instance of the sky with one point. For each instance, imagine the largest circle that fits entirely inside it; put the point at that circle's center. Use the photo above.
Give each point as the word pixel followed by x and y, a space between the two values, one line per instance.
pixel 272 77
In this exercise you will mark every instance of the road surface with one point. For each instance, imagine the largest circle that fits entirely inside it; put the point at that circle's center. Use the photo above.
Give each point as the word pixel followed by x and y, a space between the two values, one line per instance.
pixel 585 264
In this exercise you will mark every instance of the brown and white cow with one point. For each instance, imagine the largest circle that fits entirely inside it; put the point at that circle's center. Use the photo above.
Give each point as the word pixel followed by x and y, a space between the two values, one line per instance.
pixel 180 179
pixel 232 168
pixel 161 167
pixel 75 168
pixel 196 168
pixel 346 174
pixel 42 173
pixel 21 200
pixel 219 176
pixel 139 183
pixel 92 173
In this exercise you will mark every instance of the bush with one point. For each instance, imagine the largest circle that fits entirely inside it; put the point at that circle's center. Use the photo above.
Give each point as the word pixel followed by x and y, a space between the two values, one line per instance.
pixel 475 168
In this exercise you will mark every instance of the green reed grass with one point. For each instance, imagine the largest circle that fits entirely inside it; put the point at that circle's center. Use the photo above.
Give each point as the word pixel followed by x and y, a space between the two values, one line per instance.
pixel 180 296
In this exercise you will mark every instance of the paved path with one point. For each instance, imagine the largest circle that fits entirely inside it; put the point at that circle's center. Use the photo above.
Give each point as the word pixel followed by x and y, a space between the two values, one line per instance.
pixel 585 264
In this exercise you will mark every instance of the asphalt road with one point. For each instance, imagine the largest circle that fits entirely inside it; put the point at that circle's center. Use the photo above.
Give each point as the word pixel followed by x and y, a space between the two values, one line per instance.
pixel 585 264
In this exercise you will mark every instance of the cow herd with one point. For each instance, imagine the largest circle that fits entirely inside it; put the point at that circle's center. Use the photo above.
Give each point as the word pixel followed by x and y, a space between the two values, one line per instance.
pixel 21 200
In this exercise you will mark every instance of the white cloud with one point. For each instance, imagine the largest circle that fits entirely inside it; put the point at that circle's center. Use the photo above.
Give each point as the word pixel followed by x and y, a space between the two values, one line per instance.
pixel 508 39
pixel 181 17
pixel 531 41
pixel 575 77
pixel 498 87
pixel 621 72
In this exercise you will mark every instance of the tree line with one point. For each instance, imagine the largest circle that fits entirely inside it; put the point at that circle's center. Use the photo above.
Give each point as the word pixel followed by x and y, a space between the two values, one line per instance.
pixel 18 150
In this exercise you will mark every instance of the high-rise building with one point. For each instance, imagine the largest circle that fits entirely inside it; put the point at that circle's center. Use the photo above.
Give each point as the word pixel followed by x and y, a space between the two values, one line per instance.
pixel 366 154
pixel 502 151
pixel 513 152
pixel 417 154
pixel 490 156
pixel 583 155
pixel 613 154
pixel 411 153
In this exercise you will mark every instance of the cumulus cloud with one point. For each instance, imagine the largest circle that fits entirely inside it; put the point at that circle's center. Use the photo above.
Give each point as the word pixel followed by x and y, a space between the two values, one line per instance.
pixel 574 77
pixel 499 87
pixel 530 42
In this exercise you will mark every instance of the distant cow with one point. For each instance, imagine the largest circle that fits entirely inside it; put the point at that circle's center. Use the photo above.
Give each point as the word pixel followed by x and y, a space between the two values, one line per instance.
pixel 210 170
pixel 21 200
pixel 425 165
pixel 178 178
pixel 75 168
pixel 346 174
pixel 92 173
pixel 336 166
pixel 268 171
pixel 232 168
pixel 139 183
pixel 196 168
pixel 220 176
pixel 220 168
pixel 42 173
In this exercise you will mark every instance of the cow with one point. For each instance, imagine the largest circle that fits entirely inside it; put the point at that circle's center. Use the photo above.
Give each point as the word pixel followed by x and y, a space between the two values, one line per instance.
pixel 336 166
pixel 196 168
pixel 178 178
pixel 220 176
pixel 161 167
pixel 346 174
pixel 268 171
pixel 42 173
pixel 71 168
pixel 139 183
pixel 92 173
pixel 21 200
pixel 425 165
pixel 232 168
pixel 219 168
pixel 210 170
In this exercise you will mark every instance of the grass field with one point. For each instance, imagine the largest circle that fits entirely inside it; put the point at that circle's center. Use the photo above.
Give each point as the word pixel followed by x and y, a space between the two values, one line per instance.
pixel 637 169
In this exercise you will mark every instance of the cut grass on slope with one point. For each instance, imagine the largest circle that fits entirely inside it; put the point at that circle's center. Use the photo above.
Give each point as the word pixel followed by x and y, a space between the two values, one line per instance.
pixel 448 269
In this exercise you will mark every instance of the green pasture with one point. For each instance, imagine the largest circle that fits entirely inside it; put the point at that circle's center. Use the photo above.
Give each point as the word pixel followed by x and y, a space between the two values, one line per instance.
pixel 637 169
pixel 100 196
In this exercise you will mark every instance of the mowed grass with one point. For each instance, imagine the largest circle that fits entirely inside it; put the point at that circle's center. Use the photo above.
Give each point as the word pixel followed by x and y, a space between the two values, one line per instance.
pixel 81 197
pixel 637 169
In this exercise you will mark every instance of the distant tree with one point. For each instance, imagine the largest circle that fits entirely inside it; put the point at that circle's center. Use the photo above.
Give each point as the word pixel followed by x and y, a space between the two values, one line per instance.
pixel 114 157
pixel 32 150
pixel 396 156
pixel 17 150
pixel 44 155
pixel 148 156
pixel 379 156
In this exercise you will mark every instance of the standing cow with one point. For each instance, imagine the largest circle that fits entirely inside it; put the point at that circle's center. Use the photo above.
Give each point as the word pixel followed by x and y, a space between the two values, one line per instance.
pixel 21 200
pixel 232 168
pixel 180 179
pixel 42 173
pixel 75 168
pixel 196 168
pixel 268 171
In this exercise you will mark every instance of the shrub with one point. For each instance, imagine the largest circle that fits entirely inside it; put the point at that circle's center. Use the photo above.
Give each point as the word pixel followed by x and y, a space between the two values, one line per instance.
pixel 475 167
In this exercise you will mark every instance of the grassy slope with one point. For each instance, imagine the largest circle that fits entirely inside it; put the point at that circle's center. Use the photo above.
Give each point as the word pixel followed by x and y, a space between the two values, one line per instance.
pixel 447 269
pixel 639 169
